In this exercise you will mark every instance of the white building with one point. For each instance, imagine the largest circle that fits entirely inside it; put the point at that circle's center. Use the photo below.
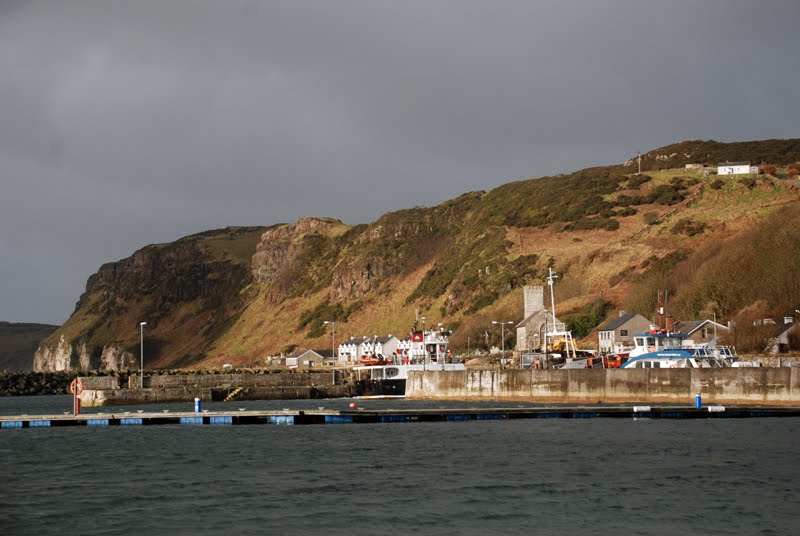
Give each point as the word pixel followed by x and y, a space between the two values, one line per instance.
pixel 736 168
pixel 353 351
pixel 350 352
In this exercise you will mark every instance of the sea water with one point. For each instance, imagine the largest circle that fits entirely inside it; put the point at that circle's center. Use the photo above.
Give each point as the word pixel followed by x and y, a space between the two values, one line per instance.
pixel 560 476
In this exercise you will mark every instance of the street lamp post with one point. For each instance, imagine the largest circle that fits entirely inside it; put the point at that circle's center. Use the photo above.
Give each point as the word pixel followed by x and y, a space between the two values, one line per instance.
pixel 333 337
pixel 502 339
pixel 141 351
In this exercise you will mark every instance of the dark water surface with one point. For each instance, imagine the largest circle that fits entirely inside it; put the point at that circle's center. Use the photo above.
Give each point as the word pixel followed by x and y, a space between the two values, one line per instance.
pixel 594 476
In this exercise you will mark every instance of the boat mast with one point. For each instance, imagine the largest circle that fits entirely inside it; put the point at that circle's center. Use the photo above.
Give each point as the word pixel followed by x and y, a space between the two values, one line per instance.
pixel 550 280
pixel 569 343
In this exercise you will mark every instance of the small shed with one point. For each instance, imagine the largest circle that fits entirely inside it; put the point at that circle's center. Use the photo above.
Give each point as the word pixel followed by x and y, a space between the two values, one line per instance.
pixel 307 358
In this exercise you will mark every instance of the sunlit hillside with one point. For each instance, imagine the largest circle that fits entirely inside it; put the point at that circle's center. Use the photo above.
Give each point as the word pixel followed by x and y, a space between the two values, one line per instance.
pixel 614 236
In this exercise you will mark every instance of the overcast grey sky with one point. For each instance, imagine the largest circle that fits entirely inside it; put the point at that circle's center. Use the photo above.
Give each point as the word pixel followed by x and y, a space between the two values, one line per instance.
pixel 126 123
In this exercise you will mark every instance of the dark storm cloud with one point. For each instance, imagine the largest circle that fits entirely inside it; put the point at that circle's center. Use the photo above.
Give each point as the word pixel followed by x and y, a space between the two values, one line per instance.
pixel 127 123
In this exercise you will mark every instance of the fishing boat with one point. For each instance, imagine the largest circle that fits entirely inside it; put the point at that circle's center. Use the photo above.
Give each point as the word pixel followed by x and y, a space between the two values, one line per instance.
pixel 387 375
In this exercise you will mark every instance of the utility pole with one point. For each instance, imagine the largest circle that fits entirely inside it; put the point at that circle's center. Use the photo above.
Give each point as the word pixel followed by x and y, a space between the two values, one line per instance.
pixel 333 337
pixel 141 352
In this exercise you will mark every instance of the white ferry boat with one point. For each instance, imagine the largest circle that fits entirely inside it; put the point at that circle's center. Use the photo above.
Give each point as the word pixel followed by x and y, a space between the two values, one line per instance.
pixel 662 349
pixel 388 375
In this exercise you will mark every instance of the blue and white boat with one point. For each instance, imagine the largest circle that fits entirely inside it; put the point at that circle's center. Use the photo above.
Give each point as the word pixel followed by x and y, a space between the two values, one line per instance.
pixel 662 349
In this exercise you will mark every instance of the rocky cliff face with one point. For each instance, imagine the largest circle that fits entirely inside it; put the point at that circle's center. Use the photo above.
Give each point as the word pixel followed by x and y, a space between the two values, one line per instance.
pixel 187 291
pixel 280 246
pixel 53 359
pixel 81 356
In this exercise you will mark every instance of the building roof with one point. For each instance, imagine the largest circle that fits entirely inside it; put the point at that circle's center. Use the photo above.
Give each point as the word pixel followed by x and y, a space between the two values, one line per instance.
pixel 300 353
pixel 687 327
pixel 787 326
pixel 617 322
pixel 384 340
pixel 355 341
pixel 734 163
pixel 540 312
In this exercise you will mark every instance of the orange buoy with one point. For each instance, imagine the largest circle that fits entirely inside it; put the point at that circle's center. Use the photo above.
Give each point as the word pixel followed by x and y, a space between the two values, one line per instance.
pixel 76 386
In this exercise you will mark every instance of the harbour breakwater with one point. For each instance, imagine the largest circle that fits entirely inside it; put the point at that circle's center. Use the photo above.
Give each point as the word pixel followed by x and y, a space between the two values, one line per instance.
pixel 34 383
pixel 769 386
pixel 158 388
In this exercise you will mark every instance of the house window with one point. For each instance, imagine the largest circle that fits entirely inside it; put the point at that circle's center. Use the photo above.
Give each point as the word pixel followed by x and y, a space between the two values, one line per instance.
pixel 705 333
pixel 623 333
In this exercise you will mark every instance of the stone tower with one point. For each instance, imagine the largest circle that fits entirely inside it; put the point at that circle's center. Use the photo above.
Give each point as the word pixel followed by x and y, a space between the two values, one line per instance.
pixel 533 300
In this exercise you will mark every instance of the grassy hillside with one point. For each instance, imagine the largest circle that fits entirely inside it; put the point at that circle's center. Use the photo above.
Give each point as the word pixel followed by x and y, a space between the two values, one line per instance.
pixel 614 237
pixel 776 152
pixel 18 342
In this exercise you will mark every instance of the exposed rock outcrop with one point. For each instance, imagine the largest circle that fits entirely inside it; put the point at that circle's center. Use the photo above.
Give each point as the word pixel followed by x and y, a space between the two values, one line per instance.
pixel 115 358
pixel 66 357
pixel 56 359
pixel 281 245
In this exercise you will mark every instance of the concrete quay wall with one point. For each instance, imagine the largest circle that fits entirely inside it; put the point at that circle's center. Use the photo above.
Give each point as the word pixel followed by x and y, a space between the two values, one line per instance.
pixel 772 386
pixel 216 381
pixel 161 388
pixel 125 397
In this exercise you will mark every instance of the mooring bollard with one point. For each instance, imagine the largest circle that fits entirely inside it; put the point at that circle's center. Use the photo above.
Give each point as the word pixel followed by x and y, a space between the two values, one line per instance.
pixel 698 401
pixel 197 405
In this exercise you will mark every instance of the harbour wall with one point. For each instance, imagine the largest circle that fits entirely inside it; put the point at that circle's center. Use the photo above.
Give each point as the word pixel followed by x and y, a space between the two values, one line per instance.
pixel 770 386
pixel 160 388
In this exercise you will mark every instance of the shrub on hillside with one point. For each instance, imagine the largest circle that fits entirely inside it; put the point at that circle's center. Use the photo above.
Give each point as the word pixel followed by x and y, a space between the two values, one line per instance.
pixel 608 224
pixel 748 182
pixel 667 194
pixel 688 227
pixel 751 334
pixel 768 169
pixel 627 211
pixel 637 180
pixel 589 317
pixel 316 317
pixel 717 184
pixel 650 218
pixel 793 172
